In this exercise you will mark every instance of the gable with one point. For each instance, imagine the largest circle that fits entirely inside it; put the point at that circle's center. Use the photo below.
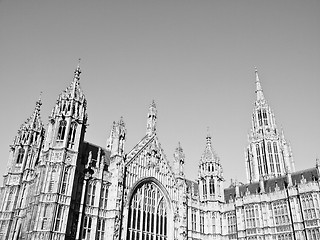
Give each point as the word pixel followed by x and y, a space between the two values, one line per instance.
pixel 148 161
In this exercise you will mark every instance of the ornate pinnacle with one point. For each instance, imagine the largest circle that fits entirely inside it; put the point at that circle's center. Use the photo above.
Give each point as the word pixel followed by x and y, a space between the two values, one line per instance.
pixel 259 91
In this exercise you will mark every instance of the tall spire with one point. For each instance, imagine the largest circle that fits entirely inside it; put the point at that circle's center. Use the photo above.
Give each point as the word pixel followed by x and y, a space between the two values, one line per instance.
pixel 259 91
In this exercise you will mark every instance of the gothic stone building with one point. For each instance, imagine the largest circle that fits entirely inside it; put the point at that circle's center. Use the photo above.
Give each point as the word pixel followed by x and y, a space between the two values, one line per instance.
pixel 58 186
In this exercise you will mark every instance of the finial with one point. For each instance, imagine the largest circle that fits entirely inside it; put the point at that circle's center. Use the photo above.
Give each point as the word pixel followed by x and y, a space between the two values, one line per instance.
pixel 39 103
pixel 259 91
pixel 208 136
pixel 77 72
pixel 317 162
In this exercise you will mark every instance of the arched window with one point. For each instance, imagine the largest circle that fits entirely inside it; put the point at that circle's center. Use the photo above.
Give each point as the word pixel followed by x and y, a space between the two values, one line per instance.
pixel 211 184
pixel 259 158
pixel 61 130
pixel 204 187
pixel 72 135
pixel 260 118
pixel 20 156
pixel 147 217
pixel 265 117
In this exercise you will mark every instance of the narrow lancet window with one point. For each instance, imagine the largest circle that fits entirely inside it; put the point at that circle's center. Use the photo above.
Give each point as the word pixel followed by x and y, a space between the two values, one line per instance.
pixel 61 130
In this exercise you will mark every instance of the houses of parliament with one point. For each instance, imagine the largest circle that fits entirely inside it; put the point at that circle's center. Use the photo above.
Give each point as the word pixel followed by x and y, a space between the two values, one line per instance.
pixel 59 186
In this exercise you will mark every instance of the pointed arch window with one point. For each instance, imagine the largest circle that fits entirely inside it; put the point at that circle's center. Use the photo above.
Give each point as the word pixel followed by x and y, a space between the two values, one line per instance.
pixel 260 117
pixel 204 187
pixel 91 193
pixel 211 186
pixel 72 135
pixel 270 157
pixel 62 130
pixel 264 157
pixel 147 216
pixel 276 155
pixel 265 117
pixel 259 159
pixel 104 196
pixel 20 155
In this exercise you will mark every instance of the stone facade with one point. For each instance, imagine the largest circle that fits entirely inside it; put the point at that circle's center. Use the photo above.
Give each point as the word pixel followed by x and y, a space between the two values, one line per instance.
pixel 58 186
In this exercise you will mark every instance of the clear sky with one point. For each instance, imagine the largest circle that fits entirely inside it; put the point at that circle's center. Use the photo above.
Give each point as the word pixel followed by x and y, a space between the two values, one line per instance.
pixel 194 58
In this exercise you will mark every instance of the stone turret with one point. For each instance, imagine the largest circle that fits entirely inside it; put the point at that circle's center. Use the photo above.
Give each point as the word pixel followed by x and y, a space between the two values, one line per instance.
pixel 210 174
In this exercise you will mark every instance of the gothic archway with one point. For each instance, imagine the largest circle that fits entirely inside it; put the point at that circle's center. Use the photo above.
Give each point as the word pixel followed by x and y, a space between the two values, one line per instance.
pixel 147 214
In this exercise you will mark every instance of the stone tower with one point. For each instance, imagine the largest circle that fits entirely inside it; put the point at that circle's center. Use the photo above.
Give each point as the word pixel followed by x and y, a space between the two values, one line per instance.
pixel 23 158
pixel 210 174
pixel 268 154
pixel 59 181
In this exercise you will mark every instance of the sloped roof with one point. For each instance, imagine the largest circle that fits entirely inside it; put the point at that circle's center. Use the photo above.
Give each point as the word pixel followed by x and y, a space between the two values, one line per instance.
pixel 270 185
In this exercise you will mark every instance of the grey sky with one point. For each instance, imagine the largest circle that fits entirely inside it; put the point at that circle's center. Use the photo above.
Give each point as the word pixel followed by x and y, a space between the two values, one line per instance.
pixel 195 58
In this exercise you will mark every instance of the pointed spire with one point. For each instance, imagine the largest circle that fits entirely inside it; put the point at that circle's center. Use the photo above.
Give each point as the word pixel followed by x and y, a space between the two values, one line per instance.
pixel 209 154
pixel 259 91
pixel 152 118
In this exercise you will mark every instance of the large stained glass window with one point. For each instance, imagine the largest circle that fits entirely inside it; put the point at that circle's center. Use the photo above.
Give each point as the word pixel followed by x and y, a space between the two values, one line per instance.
pixel 147 219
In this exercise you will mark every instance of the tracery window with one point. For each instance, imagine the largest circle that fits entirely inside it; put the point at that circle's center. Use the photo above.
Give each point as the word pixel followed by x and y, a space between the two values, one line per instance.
pixel 147 217
pixel 265 117
pixel 104 196
pixel 100 229
pixel 281 216
pixel 87 222
pixel 310 206
pixel 252 218
pixel 61 130
pixel 193 219
pixel 20 156
pixel 264 157
pixel 201 222
pixel 204 187
pixel 72 135
pixel 260 117
pixel 232 225
pixel 259 159
pixel 271 157
pixel 211 186
pixel 275 149
pixel 91 193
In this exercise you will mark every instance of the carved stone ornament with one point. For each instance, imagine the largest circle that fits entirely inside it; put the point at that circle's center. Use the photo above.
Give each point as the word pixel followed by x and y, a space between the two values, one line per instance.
pixel 153 156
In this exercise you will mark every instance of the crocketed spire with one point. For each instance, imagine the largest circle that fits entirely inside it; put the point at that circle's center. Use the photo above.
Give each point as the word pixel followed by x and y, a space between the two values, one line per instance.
pixel 259 91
